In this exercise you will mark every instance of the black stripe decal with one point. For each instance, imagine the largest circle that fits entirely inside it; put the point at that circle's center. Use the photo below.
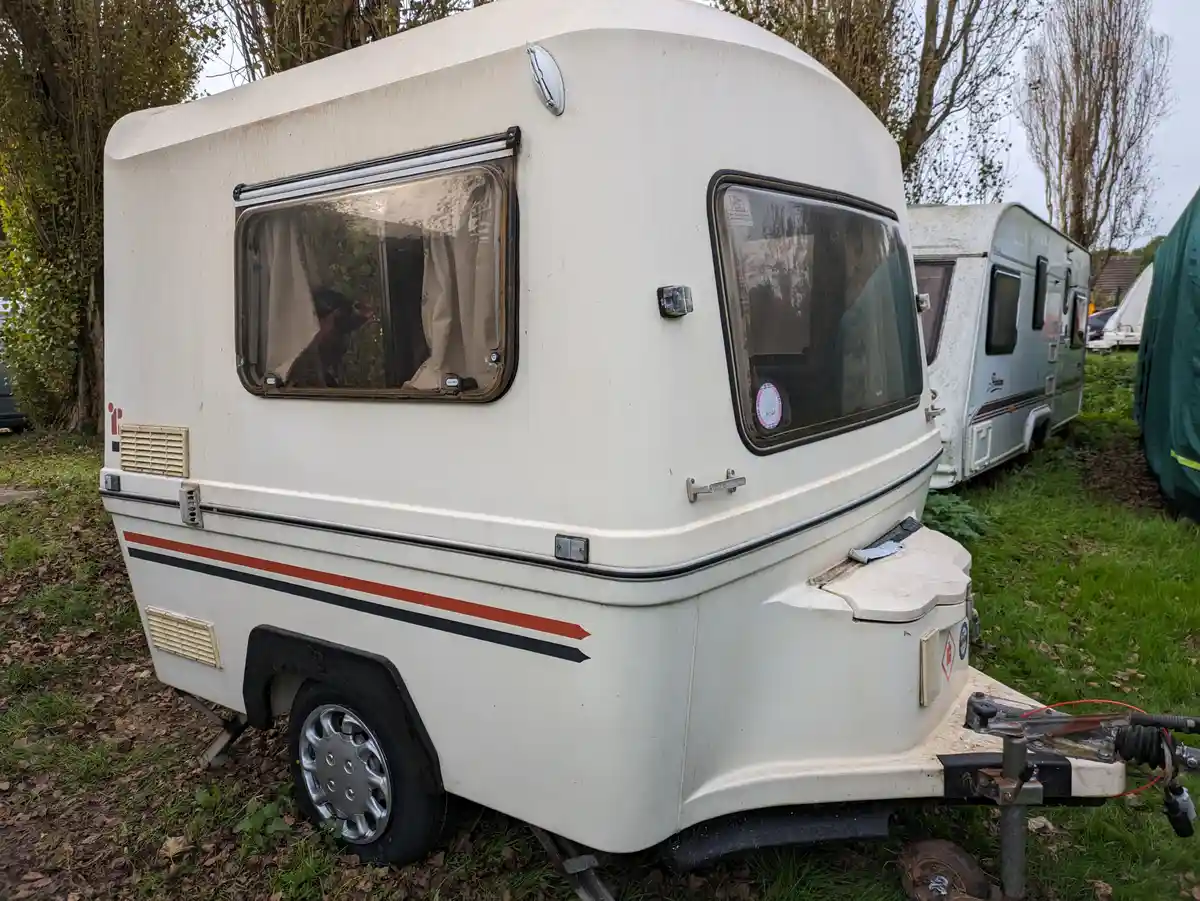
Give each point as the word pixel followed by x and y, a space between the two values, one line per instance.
pixel 1003 403
pixel 1011 408
pixel 139 498
pixel 594 571
pixel 454 627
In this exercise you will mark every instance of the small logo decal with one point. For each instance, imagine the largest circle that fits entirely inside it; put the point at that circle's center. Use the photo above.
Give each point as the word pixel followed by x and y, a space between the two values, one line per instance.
pixel 948 656
pixel 768 406
pixel 964 641
pixel 995 384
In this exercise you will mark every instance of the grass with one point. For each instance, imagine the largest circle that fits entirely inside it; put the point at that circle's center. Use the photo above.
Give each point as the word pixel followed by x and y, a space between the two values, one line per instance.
pixel 1085 589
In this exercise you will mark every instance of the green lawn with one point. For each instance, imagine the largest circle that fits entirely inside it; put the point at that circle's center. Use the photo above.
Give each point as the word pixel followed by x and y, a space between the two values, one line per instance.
pixel 1085 590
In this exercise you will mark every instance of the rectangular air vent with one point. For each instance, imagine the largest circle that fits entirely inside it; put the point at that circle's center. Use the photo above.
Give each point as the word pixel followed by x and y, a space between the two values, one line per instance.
pixel 183 636
pixel 160 450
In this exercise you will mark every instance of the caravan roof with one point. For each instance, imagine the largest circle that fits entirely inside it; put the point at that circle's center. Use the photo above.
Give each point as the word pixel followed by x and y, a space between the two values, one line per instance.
pixel 450 42
pixel 967 230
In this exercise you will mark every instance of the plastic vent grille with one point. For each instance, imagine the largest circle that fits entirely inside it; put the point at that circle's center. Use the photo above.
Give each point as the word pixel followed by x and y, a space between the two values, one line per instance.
pixel 155 449
pixel 183 636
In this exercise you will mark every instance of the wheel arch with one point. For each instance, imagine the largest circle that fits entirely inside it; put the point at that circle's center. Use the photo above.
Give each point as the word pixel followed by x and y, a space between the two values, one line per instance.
pixel 275 655
pixel 1037 418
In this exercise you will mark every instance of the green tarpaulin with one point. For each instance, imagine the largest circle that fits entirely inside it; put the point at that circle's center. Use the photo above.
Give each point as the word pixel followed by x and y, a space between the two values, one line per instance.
pixel 1167 390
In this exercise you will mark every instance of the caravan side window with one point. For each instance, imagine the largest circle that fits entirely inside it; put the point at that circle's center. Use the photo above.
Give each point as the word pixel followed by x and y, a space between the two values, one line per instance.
pixel 393 290
pixel 933 278
pixel 1040 287
pixel 818 311
pixel 1003 303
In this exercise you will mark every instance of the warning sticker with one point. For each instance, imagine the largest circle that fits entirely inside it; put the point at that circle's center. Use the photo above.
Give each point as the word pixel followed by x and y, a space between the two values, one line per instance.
pixel 948 656
pixel 737 209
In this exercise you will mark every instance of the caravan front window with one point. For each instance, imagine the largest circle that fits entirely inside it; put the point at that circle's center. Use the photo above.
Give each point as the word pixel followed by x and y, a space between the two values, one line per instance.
pixel 395 291
pixel 819 308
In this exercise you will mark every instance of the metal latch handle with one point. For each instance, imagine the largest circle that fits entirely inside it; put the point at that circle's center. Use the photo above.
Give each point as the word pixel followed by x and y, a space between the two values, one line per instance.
pixel 730 483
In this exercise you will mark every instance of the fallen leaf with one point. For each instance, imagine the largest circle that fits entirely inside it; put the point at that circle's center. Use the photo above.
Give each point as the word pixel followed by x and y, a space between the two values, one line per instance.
pixel 1041 826
pixel 33 876
pixel 1103 891
pixel 5 786
pixel 1196 892
pixel 174 846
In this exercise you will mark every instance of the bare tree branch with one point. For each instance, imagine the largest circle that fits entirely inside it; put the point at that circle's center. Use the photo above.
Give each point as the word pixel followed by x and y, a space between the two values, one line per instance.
pixel 270 36
pixel 937 73
pixel 1096 86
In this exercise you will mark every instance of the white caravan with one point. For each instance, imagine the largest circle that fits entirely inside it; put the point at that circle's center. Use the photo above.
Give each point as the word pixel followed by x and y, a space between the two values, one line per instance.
pixel 510 404
pixel 1124 327
pixel 1004 330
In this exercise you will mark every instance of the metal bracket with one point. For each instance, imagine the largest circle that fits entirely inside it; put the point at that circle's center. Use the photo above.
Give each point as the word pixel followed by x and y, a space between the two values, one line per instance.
pixel 997 787
pixel 730 483
pixel 189 505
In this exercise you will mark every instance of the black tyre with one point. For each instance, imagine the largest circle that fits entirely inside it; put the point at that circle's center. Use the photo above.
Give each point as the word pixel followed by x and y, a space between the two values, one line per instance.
pixel 358 771
pixel 936 869
pixel 1040 433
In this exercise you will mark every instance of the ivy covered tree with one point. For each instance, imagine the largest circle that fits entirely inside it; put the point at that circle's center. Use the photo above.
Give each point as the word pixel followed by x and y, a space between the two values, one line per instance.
pixel 69 69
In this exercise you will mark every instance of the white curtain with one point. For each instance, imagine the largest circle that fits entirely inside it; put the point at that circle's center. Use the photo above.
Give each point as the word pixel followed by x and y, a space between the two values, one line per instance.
pixel 291 319
pixel 458 302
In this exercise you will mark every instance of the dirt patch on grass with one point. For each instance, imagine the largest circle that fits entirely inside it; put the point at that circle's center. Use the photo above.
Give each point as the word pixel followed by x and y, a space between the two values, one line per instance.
pixel 15 495
pixel 1112 464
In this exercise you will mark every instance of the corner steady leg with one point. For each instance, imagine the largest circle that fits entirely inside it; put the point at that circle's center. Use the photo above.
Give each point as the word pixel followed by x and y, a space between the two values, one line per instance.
pixel 231 729
pixel 578 866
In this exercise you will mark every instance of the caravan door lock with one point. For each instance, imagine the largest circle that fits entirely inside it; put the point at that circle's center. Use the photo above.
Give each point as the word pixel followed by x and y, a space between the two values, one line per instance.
pixel 730 483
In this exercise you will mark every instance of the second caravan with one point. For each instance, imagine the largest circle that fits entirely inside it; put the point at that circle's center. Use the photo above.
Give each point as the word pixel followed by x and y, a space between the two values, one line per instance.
pixel 1004 330
pixel 1124 327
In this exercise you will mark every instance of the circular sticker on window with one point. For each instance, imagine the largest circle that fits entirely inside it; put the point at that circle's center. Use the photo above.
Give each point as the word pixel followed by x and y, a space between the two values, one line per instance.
pixel 768 406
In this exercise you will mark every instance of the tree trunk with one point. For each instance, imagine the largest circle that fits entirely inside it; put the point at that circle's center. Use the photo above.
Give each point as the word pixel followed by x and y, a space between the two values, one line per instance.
pixel 89 366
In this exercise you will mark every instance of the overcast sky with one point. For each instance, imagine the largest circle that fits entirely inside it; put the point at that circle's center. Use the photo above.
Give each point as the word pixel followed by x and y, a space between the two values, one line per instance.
pixel 1177 141
pixel 1176 144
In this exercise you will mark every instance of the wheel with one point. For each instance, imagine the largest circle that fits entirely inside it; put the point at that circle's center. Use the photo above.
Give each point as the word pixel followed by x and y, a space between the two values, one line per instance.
pixel 358 772
pixel 937 870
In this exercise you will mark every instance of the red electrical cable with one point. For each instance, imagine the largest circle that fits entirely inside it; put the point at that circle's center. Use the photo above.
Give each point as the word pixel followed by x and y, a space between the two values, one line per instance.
pixel 1133 791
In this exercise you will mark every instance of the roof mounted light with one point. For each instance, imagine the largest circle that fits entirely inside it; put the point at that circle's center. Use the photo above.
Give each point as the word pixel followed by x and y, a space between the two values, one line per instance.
pixel 548 78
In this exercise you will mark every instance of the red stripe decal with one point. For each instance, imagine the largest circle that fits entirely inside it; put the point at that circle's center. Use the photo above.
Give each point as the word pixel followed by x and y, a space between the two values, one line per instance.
pixel 408 596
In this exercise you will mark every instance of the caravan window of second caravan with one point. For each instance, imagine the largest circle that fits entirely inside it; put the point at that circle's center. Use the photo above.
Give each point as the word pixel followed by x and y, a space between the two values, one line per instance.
pixel 1003 302
pixel 933 279
pixel 396 290
pixel 1041 284
pixel 820 314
